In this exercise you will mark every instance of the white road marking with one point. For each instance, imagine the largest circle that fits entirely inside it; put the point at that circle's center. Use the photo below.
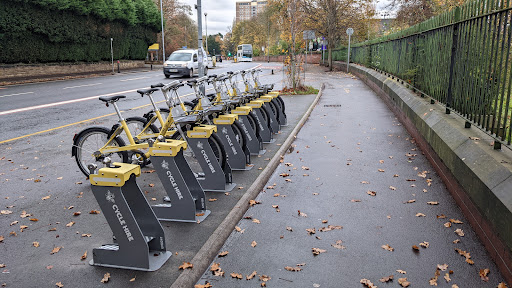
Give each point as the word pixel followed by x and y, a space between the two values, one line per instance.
pixel 62 102
pixel 86 85
pixel 9 95
pixel 133 79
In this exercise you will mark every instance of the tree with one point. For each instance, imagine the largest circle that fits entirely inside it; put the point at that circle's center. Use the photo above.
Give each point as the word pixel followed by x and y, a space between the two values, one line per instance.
pixel 331 18
pixel 411 12
pixel 180 29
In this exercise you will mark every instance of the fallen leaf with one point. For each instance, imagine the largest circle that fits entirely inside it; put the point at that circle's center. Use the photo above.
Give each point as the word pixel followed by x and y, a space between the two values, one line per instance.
pixel 317 251
pixel 94 212
pixel 371 193
pixel 330 227
pixel 305 168
pixel 302 214
pixel 14 223
pixel 338 245
pixel 433 281
pixel 365 182
pixel 456 241
pixel 212 199
pixel 249 277
pixel 23 227
pixel 186 265
pixel 442 216
pixel 396 175
pixel 455 221
pixel 386 279
pixel 265 278
pixel 433 203
pixel 240 187
pixel 392 188
pixel 410 201
pixel 105 278
pixel 59 284
pixel 46 197
pixel 424 244
pixel 238 229
pixel 401 271
pixel 254 202
pixel 483 274
pixel 420 215
pixel 253 244
pixel 56 250
pixel 206 285
pixel 35 244
pixel 459 232
pixel 288 180
pixel 256 221
pixel 381 170
pixel 442 267
pixel 414 247
pixel 223 253
pixel 70 224
pixel 37 180
pixel 403 282
pixel 501 285
pixel 293 269
pixel 284 174
pixel 77 213
pixel 447 277
pixel 311 231
pixel 387 247
pixel 133 279
pixel 5 212
pixel 355 200
pixel 448 224
pixel 151 185
pixel 24 214
pixel 367 283
pixel 59 178
pixel 84 256
pixel 289 228
pixel 236 275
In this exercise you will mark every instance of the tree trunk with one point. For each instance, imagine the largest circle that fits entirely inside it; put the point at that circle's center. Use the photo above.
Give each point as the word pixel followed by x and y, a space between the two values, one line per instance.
pixel 329 58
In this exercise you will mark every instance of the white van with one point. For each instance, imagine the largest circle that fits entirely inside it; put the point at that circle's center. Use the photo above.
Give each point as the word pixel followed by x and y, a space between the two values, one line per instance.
pixel 184 62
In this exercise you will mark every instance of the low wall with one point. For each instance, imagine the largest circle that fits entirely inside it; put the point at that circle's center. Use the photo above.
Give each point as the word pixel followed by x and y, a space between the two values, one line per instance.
pixel 312 58
pixel 478 177
pixel 19 73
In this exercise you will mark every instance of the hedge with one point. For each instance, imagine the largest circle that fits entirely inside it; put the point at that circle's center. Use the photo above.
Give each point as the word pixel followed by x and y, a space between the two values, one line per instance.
pixel 71 30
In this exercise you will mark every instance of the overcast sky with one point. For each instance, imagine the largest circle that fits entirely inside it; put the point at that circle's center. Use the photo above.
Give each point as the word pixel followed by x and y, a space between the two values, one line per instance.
pixel 221 13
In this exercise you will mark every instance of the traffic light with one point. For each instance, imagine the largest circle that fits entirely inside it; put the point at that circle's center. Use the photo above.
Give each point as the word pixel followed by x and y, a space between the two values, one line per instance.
pixel 229 54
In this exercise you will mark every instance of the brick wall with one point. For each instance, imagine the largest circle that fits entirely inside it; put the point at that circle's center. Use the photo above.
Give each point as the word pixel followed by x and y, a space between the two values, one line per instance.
pixel 312 58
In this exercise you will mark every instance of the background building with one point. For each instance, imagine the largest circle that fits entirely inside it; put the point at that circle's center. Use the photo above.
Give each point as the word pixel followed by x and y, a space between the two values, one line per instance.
pixel 245 10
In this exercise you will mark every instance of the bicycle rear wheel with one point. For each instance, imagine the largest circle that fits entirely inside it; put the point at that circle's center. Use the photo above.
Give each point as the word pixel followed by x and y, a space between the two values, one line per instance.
pixel 91 140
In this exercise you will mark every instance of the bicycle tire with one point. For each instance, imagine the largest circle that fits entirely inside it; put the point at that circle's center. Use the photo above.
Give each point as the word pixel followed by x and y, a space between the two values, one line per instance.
pixel 252 122
pixel 239 136
pixel 217 147
pixel 80 149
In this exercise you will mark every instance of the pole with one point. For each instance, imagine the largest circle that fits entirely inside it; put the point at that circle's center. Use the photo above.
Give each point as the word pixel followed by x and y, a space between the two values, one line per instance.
pixel 348 54
pixel 112 53
pixel 268 39
pixel 200 43
pixel 206 27
pixel 306 64
pixel 163 34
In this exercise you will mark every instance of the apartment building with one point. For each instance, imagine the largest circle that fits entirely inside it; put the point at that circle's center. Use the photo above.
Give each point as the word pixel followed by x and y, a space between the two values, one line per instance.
pixel 245 10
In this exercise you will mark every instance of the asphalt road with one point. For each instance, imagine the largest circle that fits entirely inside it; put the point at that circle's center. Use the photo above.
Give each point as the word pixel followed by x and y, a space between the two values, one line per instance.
pixel 38 176
pixel 30 108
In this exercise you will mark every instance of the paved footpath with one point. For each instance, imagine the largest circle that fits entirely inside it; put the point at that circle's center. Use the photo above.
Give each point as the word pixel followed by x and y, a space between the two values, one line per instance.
pixel 358 192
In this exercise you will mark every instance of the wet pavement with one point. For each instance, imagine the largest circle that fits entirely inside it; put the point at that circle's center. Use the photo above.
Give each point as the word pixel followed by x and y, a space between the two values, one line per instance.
pixel 357 192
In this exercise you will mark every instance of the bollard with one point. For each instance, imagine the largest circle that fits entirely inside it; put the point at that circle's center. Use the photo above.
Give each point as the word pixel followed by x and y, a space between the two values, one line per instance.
pixel 140 239
pixel 118 67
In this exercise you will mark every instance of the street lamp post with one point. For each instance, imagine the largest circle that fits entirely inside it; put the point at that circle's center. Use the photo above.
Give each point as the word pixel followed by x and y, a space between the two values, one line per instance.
pixel 206 27
pixel 200 43
pixel 163 37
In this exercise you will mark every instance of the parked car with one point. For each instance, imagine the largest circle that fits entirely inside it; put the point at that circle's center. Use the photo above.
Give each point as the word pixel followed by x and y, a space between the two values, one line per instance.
pixel 184 62
pixel 219 58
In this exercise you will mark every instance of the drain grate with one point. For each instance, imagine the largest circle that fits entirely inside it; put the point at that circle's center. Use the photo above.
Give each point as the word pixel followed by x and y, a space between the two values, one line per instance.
pixel 333 105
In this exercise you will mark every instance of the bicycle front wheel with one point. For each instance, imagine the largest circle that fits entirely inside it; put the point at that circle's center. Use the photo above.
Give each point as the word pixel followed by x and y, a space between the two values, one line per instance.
pixel 89 141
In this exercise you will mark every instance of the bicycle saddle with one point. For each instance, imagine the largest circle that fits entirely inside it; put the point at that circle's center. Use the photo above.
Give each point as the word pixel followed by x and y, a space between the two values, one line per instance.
pixel 143 92
pixel 159 85
pixel 189 119
pixel 111 99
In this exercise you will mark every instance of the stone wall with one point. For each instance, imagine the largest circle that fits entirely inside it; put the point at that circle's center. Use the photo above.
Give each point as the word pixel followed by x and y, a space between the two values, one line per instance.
pixel 19 73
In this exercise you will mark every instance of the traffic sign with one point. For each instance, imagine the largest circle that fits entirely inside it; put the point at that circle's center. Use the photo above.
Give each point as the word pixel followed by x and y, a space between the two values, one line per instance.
pixel 350 31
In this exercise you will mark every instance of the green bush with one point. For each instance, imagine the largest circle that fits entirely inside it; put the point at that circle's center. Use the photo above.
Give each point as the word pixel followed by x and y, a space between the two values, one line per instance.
pixel 75 30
